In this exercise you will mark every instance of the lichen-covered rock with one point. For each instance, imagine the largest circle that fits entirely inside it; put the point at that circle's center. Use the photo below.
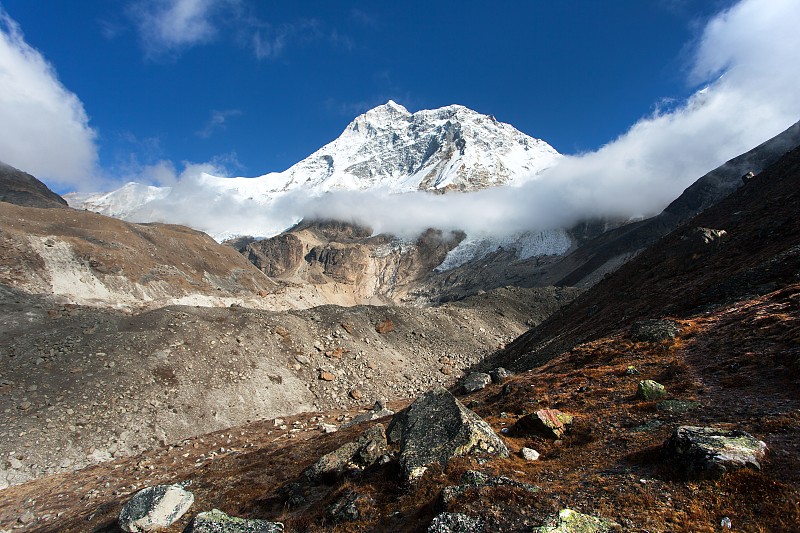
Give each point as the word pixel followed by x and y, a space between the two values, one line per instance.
pixel 436 428
pixel 548 423
pixel 708 452
pixel 456 523
pixel 356 455
pixel 475 382
pixel 529 454
pixel 569 521
pixel 650 390
pixel 654 330
pixel 215 521
pixel 155 508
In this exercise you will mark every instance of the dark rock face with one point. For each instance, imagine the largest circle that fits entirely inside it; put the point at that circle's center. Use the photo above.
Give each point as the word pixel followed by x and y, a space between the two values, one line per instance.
pixel 277 255
pixel 500 374
pixel 20 188
pixel 154 508
pixel 436 428
pixel 216 521
pixel 708 452
pixel 548 423
pixel 356 455
pixel 654 330
pixel 342 263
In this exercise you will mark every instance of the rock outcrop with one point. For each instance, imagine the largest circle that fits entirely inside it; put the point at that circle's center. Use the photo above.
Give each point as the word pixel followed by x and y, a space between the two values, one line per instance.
pixel 356 455
pixel 548 423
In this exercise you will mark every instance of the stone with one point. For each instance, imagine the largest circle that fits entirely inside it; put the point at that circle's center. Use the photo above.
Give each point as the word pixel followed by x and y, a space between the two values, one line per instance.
pixel 328 428
pixel 436 428
pixel 14 463
pixel 455 523
pixel 654 330
pixel 474 479
pixel 215 521
pixel 569 521
pixel 500 374
pixel 356 394
pixel 475 382
pixel 709 452
pixel 529 454
pixel 302 359
pixel 345 509
pixel 548 423
pixel 355 455
pixel 154 508
pixel 650 390
pixel 326 376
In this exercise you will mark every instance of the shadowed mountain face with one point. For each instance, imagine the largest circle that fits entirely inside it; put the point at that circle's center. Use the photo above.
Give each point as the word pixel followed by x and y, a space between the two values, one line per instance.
pixel 692 269
pixel 17 187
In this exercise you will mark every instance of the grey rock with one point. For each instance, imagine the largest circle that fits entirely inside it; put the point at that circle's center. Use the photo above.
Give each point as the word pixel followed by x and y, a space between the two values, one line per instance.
pixel 708 452
pixel 569 521
pixel 215 521
pixel 356 455
pixel 475 382
pixel 154 508
pixel 650 390
pixel 456 523
pixel 436 428
pixel 654 330
pixel 499 375
pixel 529 454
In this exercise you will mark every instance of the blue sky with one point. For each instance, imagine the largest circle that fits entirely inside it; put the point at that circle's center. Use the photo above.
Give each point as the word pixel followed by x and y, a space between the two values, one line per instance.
pixel 253 87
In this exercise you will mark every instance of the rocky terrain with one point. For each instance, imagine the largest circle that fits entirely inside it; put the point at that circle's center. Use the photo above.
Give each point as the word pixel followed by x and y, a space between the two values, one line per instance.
pixel 17 187
pixel 664 398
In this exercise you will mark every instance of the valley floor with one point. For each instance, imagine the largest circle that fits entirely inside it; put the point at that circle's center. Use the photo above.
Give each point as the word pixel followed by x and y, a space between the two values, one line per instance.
pixel 734 366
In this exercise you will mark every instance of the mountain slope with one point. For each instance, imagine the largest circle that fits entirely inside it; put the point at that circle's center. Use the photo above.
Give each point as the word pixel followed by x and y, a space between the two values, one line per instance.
pixel 17 187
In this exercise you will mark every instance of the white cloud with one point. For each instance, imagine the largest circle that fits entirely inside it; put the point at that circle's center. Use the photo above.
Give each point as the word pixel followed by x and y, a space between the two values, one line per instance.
pixel 167 27
pixel 45 130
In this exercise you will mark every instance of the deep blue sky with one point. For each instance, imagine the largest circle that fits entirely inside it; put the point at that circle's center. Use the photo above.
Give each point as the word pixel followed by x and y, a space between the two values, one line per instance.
pixel 574 73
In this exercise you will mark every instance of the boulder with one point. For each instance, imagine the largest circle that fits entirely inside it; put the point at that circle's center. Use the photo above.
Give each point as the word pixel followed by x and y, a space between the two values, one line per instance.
pixel 456 523
pixel 650 390
pixel 155 508
pixel 356 455
pixel 569 521
pixel 215 521
pixel 475 382
pixel 529 454
pixel 548 423
pixel 500 374
pixel 436 428
pixel 708 452
pixel 654 330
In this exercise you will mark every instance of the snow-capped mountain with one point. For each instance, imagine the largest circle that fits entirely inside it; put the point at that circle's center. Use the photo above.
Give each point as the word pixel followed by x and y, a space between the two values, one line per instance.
pixel 448 149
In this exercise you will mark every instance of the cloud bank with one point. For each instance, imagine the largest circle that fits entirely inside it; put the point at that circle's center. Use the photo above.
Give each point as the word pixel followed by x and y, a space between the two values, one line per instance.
pixel 745 66
pixel 45 129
